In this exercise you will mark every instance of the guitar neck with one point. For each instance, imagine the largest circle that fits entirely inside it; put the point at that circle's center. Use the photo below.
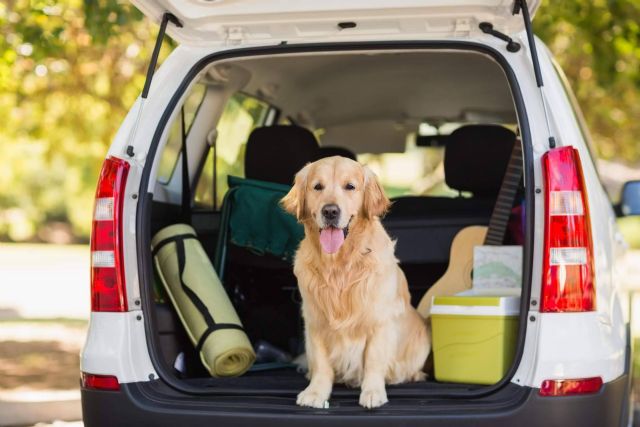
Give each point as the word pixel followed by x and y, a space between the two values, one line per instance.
pixel 506 195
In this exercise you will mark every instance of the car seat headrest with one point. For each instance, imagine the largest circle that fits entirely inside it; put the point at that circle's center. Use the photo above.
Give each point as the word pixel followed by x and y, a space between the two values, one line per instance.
pixel 331 151
pixel 476 158
pixel 276 153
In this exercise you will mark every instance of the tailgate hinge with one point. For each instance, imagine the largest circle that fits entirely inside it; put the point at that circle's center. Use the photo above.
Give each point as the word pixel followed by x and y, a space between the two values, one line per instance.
pixel 235 36
pixel 462 27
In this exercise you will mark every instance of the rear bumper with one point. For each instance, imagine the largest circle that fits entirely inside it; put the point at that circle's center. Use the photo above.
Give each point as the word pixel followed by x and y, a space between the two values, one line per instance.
pixel 137 404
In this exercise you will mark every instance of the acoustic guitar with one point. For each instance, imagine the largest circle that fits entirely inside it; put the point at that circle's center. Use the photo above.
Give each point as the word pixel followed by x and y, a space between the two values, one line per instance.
pixel 458 276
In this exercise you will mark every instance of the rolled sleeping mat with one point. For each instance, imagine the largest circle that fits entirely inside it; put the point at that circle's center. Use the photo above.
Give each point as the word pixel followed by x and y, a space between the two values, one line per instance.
pixel 201 301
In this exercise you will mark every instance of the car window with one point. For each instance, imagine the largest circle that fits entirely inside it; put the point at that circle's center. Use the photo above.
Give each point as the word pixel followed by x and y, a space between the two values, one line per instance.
pixel 241 115
pixel 169 156
pixel 418 171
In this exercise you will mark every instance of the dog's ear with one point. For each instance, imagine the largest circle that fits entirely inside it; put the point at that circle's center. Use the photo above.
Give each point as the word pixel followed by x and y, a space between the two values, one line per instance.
pixel 376 202
pixel 293 202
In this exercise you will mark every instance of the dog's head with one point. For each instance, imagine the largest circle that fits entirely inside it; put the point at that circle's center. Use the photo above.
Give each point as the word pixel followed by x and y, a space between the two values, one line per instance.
pixel 333 194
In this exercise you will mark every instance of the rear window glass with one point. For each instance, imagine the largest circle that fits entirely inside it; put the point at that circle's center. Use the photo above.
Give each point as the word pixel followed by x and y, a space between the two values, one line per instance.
pixel 241 115
pixel 418 171
pixel 169 156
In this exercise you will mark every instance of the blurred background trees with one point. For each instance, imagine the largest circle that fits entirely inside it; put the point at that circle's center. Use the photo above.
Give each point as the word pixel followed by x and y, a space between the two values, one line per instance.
pixel 597 43
pixel 70 70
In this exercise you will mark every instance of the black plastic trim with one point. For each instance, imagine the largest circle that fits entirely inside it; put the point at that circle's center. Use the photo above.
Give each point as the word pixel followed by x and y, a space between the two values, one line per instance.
pixel 142 216
pixel 487 28
pixel 139 404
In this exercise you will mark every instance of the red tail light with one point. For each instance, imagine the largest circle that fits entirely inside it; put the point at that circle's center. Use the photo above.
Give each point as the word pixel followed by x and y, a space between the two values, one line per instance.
pixel 107 264
pixel 568 275
pixel 569 387
pixel 100 382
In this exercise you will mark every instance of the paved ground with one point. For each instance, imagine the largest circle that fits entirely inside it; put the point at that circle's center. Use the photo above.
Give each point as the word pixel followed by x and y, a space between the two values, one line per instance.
pixel 39 358
pixel 49 407
pixel 39 370
pixel 44 281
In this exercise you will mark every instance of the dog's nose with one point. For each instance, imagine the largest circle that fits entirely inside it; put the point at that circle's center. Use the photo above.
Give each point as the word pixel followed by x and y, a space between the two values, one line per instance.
pixel 330 212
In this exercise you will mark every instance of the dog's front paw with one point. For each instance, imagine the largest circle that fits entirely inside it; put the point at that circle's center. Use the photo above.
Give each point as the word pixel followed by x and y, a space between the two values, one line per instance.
pixel 312 398
pixel 373 398
pixel 418 376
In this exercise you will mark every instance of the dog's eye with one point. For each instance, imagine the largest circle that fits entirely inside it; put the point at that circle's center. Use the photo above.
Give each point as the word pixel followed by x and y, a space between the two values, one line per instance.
pixel 318 187
pixel 349 187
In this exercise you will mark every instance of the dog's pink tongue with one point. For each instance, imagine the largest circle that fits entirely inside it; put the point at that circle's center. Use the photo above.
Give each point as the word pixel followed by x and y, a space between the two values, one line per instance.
pixel 331 239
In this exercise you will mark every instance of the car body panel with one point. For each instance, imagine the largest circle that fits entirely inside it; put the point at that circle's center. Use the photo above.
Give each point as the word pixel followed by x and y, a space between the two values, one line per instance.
pixel 578 345
pixel 116 345
pixel 251 22
pixel 556 346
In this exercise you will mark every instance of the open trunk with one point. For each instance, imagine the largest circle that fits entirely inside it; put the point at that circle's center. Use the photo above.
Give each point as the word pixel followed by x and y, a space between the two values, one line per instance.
pixel 396 108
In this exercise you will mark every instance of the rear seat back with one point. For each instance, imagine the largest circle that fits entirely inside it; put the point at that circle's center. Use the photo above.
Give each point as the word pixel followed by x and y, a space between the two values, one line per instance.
pixel 475 160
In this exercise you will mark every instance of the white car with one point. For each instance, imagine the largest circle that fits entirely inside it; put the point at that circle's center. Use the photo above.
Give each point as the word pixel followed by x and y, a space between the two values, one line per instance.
pixel 426 92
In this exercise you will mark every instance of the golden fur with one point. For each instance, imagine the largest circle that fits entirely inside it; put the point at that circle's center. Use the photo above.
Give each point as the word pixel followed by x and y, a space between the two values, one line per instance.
pixel 360 327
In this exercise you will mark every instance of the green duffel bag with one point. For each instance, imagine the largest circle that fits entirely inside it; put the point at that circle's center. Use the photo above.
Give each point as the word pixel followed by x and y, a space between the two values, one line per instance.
pixel 201 301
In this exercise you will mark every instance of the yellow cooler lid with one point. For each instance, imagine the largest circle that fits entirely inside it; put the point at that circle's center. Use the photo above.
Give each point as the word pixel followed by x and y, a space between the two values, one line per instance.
pixel 476 305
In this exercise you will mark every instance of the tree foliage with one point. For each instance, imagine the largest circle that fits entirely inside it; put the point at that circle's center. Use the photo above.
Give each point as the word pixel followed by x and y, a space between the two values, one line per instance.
pixel 68 74
pixel 70 70
pixel 597 43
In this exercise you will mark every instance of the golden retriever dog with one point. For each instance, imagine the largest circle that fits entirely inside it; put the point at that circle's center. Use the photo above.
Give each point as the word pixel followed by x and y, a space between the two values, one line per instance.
pixel 360 327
